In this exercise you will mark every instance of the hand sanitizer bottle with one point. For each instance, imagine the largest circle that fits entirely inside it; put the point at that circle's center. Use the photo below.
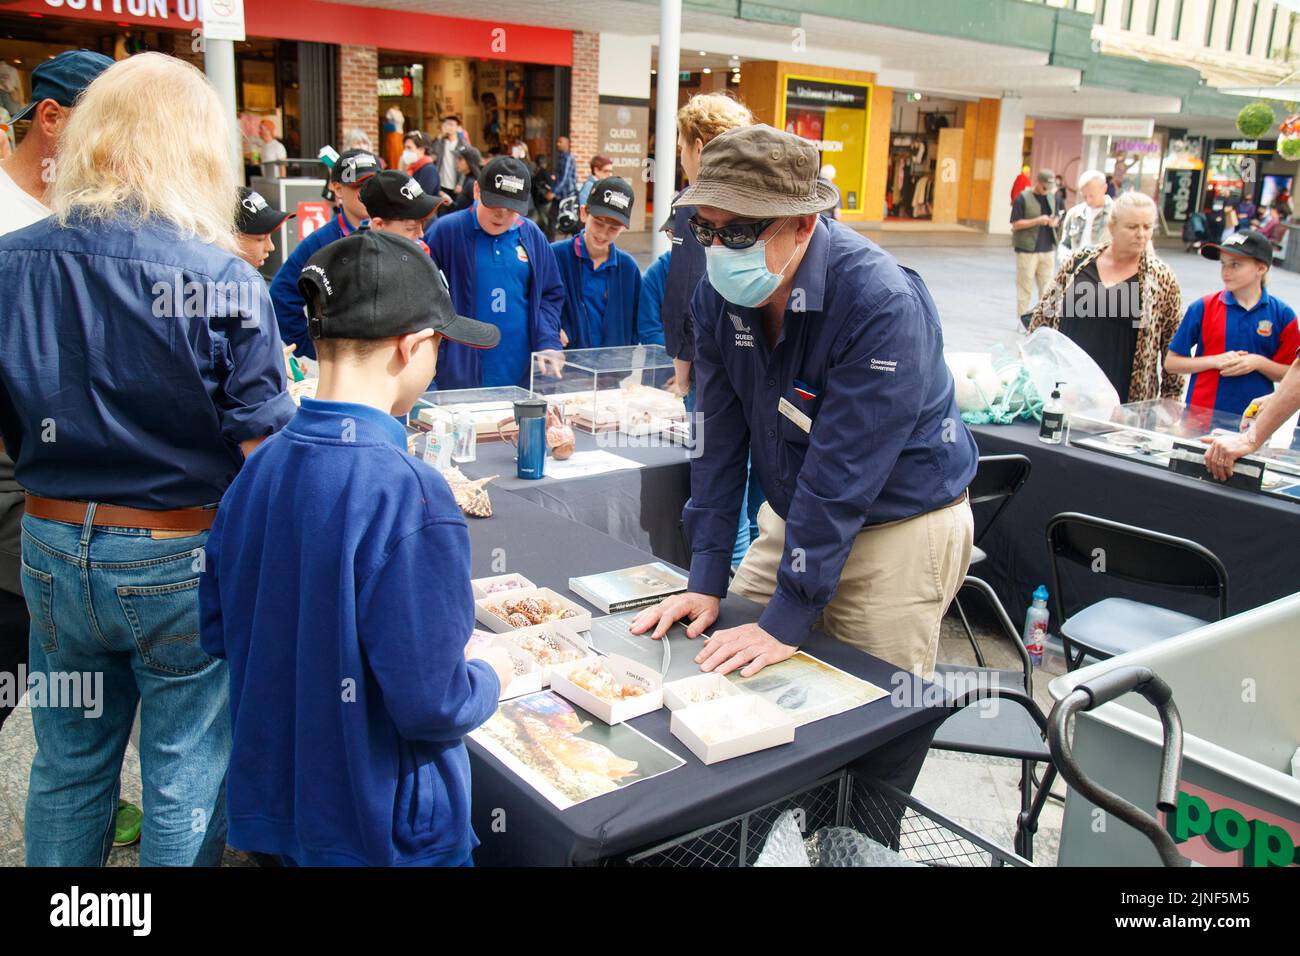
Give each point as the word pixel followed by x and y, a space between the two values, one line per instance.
pixel 1053 428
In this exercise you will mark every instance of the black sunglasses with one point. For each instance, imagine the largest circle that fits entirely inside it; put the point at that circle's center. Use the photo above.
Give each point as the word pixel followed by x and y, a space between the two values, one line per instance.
pixel 734 235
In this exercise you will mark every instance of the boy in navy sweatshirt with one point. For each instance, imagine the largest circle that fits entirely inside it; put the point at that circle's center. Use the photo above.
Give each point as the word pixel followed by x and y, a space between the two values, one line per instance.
pixel 336 584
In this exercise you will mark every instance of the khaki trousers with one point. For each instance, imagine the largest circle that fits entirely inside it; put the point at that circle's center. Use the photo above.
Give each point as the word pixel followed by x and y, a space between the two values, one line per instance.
pixel 896 585
pixel 1032 268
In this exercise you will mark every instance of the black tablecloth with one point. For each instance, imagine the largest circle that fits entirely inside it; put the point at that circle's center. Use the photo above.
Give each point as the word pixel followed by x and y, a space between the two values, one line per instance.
pixel 639 506
pixel 1256 537
pixel 518 826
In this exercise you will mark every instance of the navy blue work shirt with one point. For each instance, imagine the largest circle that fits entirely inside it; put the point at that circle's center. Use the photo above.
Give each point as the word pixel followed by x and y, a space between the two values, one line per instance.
pixel 132 363
pixel 860 354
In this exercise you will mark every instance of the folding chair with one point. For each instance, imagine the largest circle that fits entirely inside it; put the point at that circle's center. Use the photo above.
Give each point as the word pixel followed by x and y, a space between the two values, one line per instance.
pixel 997 478
pixel 1015 727
pixel 1113 625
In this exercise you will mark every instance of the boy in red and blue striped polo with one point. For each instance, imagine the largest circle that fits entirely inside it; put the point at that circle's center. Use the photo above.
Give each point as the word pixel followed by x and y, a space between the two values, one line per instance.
pixel 1244 338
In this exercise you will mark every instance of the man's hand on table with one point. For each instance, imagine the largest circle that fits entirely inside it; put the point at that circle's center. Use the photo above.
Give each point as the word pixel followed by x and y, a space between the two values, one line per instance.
pixel 702 609
pixel 1224 452
pixel 748 646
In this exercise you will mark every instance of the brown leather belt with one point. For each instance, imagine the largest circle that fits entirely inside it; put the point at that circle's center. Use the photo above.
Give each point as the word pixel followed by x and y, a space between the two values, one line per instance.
pixel 74 512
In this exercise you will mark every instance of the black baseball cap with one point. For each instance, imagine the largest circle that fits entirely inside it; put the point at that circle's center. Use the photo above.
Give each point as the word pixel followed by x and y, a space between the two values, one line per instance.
pixel 373 285
pixel 506 183
pixel 354 167
pixel 394 195
pixel 1251 244
pixel 63 78
pixel 612 197
pixel 256 216
pixel 470 155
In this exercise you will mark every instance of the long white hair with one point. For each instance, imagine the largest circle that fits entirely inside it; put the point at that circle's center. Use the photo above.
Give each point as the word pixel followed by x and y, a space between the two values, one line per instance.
pixel 149 140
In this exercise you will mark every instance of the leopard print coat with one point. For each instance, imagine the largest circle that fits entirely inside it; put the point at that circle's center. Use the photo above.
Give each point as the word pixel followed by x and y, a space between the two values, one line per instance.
pixel 1162 311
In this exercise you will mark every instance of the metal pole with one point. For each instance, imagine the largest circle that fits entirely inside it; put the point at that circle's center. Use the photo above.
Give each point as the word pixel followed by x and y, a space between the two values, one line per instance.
pixel 219 65
pixel 665 165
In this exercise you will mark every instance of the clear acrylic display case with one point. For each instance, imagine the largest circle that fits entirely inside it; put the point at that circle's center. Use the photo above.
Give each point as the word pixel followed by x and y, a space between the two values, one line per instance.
pixel 618 388
pixel 1165 433
pixel 488 408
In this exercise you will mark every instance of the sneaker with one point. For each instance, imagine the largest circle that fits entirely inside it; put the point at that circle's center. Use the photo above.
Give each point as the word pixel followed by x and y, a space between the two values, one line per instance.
pixel 127 825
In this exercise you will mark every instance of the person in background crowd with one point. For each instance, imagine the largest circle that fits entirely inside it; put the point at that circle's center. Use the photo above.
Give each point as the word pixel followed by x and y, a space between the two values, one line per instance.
pixel 602 283
pixel 1283 204
pixel 255 222
pixel 1230 220
pixel 315 777
pixel 272 151
pixel 1033 236
pixel 1273 228
pixel 353 168
pixel 872 538
pixel 703 117
pixel 602 167
pixel 1085 225
pixel 469 166
pixel 1244 338
pixel 649 310
pixel 543 191
pixel 1247 211
pixel 56 84
pixel 357 139
pixel 1062 202
pixel 566 183
pixel 444 154
pixel 396 203
pixel 418 163
pixel 1021 183
pixel 1111 189
pixel 501 270
pixel 151 430
pixel 1120 303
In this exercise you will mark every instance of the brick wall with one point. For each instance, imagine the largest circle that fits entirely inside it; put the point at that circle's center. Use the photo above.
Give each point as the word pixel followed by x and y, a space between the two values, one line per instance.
pixel 358 94
pixel 584 101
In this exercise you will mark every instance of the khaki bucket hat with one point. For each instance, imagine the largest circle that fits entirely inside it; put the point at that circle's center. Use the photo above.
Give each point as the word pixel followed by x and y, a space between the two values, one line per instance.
pixel 762 172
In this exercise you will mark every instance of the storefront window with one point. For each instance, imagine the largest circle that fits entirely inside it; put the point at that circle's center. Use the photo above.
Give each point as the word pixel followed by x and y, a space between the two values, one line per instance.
pixel 835 116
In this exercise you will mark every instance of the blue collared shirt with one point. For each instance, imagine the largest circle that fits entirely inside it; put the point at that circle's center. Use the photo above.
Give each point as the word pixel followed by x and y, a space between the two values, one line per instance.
pixel 132 363
pixel 860 358
pixel 595 291
pixel 501 297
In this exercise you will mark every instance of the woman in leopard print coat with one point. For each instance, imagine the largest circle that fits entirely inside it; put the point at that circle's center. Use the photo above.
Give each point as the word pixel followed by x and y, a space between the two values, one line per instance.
pixel 1162 310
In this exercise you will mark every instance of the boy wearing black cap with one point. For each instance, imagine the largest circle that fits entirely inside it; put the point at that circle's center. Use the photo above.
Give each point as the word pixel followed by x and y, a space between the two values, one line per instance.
pixel 501 270
pixel 1245 339
pixel 353 168
pixel 350 691
pixel 256 220
pixel 602 283
pixel 397 203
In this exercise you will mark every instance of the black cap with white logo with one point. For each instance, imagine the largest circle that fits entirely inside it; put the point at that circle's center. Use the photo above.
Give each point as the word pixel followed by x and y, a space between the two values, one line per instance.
pixel 394 195
pixel 1251 244
pixel 354 167
pixel 612 197
pixel 374 285
pixel 506 183
pixel 256 216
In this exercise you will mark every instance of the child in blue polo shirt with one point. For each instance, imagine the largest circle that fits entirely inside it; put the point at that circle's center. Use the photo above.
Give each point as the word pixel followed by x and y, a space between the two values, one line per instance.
pixel 345 617
pixel 1245 339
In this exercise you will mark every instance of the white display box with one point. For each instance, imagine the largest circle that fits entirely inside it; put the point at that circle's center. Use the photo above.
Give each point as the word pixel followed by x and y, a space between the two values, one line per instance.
pixel 562 641
pixel 700 689
pixel 529 677
pixel 698 727
pixel 625 671
pixel 515 582
pixel 606 389
pixel 581 619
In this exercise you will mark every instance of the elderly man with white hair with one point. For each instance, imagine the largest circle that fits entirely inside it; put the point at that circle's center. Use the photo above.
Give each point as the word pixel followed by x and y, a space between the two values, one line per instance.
pixel 1084 226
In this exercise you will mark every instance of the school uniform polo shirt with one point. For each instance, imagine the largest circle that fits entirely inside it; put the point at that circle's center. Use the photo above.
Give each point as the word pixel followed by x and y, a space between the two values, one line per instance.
pixel 1216 324
pixel 501 297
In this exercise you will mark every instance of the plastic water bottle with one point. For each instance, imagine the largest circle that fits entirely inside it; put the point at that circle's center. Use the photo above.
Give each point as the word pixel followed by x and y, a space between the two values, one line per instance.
pixel 465 438
pixel 1036 618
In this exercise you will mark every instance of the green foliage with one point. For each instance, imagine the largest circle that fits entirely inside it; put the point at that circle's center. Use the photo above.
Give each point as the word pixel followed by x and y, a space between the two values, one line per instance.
pixel 1255 119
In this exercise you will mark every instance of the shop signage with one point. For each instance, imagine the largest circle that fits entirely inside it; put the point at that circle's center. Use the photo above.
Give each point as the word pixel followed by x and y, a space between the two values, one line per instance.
pixel 222 19
pixel 1181 189
pixel 814 94
pixel 1246 146
pixel 1215 830
pixel 1137 146
pixel 395 86
pixel 311 216
pixel 1119 126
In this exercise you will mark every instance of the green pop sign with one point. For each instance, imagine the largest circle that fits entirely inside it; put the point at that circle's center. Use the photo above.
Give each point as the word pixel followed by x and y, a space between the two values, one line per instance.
pixel 1261 843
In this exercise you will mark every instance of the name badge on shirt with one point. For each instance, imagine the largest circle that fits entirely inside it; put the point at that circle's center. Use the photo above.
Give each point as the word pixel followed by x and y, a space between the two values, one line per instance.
pixel 787 409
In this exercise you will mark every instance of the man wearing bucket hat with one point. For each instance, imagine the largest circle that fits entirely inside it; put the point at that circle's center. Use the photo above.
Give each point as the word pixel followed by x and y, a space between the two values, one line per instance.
pixel 501 270
pixel 816 350
pixel 602 283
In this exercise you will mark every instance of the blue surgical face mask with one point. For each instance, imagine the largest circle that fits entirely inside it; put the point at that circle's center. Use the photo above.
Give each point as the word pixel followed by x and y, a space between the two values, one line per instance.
pixel 741 276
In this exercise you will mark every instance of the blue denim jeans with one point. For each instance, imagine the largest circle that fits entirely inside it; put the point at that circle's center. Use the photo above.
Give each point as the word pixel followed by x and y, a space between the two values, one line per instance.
pixel 124 605
pixel 750 501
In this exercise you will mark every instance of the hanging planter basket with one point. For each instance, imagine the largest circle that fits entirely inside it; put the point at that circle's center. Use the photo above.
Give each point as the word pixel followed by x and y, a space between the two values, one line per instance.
pixel 1255 120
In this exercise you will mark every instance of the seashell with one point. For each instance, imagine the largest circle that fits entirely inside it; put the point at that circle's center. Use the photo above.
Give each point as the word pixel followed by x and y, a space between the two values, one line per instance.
pixel 518 620
pixel 567 613
pixel 530 609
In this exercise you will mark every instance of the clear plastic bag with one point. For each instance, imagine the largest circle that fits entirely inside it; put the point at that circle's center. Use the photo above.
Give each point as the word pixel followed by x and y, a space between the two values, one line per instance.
pixel 1051 357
